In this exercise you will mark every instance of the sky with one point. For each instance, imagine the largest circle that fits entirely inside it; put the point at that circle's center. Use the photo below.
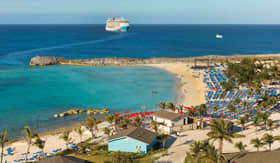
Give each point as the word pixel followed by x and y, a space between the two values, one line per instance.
pixel 140 11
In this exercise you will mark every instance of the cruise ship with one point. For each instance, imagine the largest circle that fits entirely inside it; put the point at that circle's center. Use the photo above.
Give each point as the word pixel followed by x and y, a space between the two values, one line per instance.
pixel 117 25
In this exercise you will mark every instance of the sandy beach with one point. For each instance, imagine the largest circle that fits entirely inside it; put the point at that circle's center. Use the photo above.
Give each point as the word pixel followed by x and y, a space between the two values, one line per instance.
pixel 191 89
pixel 53 142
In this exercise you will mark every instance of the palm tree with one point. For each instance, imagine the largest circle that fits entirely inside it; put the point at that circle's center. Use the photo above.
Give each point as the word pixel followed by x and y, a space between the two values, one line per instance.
pixel 242 122
pixel 220 131
pixel 232 109
pixel 211 154
pixel 240 146
pixel 154 125
pixel 171 106
pixel 270 124
pixel 265 117
pixel 181 108
pixel 124 123
pixel 28 134
pixel 195 148
pixel 107 131
pixel 250 91
pixel 192 114
pixel 247 116
pixel 237 100
pixel 202 112
pixel 257 143
pixel 117 121
pixel 40 144
pixel 110 118
pixel 3 136
pixel 203 151
pixel 162 105
pixel 80 131
pixel 268 139
pixel 91 123
pixel 215 108
pixel 164 138
pixel 195 151
pixel 258 90
pixel 66 137
pixel 138 121
pixel 256 122
pixel 245 105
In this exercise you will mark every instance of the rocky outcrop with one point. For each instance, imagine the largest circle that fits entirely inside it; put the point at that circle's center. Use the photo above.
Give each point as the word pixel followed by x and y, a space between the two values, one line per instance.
pixel 46 60
pixel 40 61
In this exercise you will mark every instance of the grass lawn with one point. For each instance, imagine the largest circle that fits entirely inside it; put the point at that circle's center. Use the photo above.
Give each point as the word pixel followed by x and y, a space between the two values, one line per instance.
pixel 100 154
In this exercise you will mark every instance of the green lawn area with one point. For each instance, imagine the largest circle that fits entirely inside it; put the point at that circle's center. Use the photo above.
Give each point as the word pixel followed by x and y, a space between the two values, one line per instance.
pixel 100 154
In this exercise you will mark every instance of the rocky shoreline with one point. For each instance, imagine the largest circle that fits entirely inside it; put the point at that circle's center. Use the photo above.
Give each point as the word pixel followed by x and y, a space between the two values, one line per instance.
pixel 47 60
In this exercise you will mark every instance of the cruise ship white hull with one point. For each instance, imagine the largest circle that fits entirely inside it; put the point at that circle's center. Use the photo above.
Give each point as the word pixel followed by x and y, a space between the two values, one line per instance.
pixel 117 25
pixel 117 29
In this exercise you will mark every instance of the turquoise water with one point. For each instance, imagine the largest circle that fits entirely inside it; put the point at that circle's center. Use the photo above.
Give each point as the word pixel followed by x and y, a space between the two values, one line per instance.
pixel 32 95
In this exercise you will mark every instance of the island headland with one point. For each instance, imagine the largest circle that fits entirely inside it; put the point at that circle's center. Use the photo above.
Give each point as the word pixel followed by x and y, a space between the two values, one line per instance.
pixel 48 60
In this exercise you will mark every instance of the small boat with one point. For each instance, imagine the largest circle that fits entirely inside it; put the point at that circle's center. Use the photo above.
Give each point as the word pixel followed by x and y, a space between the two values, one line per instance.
pixel 219 36
pixel 154 92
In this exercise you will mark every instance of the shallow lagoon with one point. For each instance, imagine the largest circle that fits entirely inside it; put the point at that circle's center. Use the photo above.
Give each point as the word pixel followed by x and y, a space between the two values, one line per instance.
pixel 32 95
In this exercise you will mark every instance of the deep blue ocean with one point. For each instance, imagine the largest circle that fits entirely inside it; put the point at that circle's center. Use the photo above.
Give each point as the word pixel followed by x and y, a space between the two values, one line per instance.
pixel 31 95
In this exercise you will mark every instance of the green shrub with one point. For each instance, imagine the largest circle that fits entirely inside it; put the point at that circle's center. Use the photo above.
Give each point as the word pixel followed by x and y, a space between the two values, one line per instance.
pixel 238 136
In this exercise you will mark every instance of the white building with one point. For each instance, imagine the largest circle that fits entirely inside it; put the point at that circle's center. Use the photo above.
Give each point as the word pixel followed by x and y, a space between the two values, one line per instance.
pixel 171 122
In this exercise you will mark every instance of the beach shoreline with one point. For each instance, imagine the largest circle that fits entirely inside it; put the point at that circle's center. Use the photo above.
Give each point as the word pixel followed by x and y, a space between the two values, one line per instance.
pixel 189 90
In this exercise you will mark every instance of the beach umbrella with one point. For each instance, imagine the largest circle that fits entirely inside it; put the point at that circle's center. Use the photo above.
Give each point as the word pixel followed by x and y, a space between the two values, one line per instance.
pixel 146 113
pixel 118 114
pixel 132 115
pixel 127 112
pixel 188 108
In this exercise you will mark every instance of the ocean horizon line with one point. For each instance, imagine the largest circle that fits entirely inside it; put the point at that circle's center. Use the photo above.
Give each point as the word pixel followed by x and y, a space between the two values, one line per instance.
pixel 241 24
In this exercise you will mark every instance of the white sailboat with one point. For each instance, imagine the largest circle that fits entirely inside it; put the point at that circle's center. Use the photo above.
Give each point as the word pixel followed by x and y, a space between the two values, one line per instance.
pixel 219 36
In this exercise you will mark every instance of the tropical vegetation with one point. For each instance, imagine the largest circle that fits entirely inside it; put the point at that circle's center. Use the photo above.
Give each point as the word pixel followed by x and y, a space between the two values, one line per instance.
pixel 240 146
pixel 91 123
pixel 40 144
pixel 28 135
pixel 3 140
pixel 220 130
pixel 203 151
pixel 66 137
